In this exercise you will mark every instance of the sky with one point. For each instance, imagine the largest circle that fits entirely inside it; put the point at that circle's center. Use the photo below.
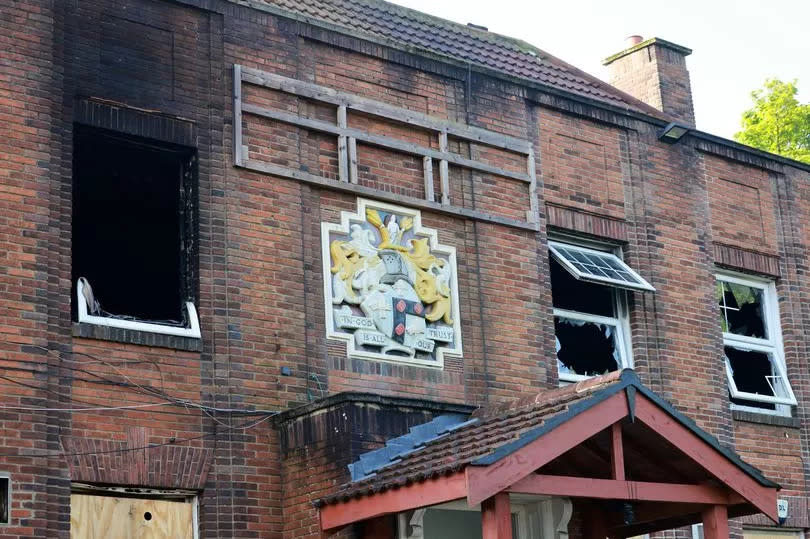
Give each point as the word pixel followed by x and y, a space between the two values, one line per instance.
pixel 736 44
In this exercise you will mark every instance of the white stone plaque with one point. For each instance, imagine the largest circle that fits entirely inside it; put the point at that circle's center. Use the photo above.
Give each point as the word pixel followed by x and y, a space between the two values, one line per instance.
pixel 391 289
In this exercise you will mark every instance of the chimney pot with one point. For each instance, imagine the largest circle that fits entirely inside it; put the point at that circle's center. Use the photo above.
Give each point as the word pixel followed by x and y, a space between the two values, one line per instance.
pixel 631 41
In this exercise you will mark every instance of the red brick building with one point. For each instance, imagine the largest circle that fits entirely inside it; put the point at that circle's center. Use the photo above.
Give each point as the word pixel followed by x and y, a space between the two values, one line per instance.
pixel 263 259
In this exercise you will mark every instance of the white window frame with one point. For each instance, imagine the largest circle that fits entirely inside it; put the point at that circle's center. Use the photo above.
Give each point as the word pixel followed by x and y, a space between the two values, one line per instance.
pixel 642 284
pixel 620 321
pixel 772 345
pixel 192 331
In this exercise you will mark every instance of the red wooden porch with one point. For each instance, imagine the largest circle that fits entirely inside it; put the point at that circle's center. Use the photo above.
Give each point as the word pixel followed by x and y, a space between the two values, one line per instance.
pixel 625 460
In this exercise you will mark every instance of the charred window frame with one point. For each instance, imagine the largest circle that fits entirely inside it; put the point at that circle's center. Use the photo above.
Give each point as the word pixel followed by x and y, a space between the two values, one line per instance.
pixel 135 229
pixel 591 322
pixel 752 345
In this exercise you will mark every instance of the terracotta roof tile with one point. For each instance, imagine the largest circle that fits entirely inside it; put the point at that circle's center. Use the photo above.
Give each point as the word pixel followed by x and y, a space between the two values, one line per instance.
pixel 500 53
pixel 496 426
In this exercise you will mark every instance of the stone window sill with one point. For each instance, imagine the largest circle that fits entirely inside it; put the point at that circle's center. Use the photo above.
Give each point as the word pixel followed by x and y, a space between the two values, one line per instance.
pixel 131 336
pixel 766 419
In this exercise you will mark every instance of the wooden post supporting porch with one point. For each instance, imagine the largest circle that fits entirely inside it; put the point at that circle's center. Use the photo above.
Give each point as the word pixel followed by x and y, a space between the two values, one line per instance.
pixel 596 524
pixel 496 517
pixel 715 522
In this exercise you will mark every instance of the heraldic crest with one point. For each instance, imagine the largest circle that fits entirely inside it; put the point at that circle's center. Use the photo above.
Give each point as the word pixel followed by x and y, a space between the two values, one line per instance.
pixel 390 287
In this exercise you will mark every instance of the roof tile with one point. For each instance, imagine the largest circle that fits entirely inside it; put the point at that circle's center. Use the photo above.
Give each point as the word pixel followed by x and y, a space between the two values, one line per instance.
pixel 487 49
pixel 496 426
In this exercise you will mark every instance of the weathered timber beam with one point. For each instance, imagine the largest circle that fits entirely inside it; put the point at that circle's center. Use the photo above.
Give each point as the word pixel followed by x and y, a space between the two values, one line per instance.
pixel 237 114
pixel 369 106
pixel 382 141
pixel 496 517
pixel 512 464
pixel 444 174
pixel 610 489
pixel 616 451
pixel 412 496
pixel 709 458
pixel 342 146
pixel 337 185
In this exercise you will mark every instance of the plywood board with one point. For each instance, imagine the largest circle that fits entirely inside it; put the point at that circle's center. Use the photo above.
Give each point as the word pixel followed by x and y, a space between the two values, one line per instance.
pixel 107 517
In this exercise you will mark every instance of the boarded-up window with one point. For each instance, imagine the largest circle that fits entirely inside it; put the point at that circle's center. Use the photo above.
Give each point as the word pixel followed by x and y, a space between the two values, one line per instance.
pixel 101 517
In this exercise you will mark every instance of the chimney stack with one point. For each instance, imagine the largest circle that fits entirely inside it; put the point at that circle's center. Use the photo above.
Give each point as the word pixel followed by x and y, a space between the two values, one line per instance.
pixel 654 71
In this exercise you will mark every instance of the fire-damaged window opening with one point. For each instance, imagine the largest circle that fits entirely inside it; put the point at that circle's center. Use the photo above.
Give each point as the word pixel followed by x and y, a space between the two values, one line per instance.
pixel 5 498
pixel 752 343
pixel 134 248
pixel 591 326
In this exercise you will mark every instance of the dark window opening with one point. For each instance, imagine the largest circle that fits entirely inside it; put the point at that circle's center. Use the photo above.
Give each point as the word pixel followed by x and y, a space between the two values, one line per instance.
pixel 585 348
pixel 5 499
pixel 134 225
pixel 571 294
pixel 751 371
pixel 741 309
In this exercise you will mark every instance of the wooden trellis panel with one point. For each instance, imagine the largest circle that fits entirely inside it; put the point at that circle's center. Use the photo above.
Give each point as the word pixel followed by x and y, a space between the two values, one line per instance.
pixel 348 137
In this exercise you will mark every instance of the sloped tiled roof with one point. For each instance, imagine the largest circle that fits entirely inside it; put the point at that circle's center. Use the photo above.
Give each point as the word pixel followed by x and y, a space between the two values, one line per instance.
pixel 502 429
pixel 496 427
pixel 507 55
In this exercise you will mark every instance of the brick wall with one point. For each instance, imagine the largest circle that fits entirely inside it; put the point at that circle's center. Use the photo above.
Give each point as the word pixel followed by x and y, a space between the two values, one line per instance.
pixel 675 209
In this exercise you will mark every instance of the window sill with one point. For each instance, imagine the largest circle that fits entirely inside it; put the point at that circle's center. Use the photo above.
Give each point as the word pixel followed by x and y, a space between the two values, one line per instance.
pixel 132 336
pixel 766 419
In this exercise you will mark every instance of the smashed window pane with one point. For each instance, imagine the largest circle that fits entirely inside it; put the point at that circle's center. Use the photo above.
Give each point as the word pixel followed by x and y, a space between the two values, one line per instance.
pixel 741 311
pixel 754 373
pixel 573 295
pixel 585 348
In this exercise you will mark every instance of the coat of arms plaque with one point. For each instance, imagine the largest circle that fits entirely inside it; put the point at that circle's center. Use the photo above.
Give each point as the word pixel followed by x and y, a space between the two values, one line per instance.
pixel 390 287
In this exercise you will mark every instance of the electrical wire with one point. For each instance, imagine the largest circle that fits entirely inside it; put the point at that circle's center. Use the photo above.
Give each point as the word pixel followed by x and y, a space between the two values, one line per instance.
pixel 92 408
pixel 173 441
pixel 144 390
pixel 148 390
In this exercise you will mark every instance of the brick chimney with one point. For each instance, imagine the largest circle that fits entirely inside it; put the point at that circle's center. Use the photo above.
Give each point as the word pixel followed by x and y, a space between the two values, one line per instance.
pixel 654 71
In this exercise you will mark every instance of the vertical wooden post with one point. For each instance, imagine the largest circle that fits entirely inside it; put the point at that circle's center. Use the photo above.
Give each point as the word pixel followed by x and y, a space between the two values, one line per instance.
pixel 379 528
pixel 237 114
pixel 427 164
pixel 533 212
pixel 443 171
pixel 715 522
pixel 496 517
pixel 352 160
pixel 617 451
pixel 595 524
pixel 343 153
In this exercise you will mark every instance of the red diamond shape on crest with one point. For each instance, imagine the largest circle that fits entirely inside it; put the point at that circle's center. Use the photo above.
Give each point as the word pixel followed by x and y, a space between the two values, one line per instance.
pixel 417 308
pixel 401 306
pixel 400 329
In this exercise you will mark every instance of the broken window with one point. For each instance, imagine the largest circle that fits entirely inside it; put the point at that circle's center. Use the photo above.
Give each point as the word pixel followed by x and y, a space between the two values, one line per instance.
pixel 590 315
pixel 752 345
pixel 134 233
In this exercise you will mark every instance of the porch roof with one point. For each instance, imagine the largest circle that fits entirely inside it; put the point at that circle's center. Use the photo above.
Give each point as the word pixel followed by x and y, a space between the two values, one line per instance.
pixel 564 442
pixel 501 430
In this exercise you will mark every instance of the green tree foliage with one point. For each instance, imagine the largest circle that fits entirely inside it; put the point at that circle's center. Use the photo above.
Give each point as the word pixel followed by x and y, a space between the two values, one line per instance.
pixel 777 122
